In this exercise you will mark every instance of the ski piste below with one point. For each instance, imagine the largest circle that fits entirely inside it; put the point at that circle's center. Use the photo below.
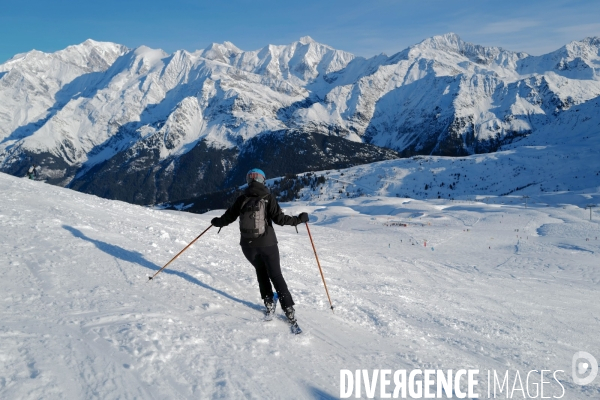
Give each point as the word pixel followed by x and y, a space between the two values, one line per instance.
pixel 508 287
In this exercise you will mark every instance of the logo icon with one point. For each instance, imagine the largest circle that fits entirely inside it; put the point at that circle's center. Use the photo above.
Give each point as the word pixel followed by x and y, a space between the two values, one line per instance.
pixel 582 362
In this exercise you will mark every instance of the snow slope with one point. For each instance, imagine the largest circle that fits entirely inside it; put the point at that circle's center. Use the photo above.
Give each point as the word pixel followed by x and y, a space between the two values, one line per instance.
pixel 79 319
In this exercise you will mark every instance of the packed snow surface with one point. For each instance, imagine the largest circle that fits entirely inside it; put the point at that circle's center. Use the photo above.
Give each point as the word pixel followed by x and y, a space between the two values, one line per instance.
pixel 496 287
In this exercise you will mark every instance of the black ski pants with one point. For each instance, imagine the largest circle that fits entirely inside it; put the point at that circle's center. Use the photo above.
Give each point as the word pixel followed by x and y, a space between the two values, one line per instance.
pixel 266 263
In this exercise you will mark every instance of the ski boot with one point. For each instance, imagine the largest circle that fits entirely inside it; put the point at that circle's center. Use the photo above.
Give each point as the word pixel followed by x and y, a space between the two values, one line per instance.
pixel 270 306
pixel 291 316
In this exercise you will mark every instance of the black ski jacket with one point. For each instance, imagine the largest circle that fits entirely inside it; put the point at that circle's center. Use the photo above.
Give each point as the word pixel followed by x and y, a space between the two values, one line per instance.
pixel 274 214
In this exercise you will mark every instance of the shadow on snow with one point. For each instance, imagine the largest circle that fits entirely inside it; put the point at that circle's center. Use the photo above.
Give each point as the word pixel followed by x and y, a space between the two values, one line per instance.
pixel 138 258
pixel 319 394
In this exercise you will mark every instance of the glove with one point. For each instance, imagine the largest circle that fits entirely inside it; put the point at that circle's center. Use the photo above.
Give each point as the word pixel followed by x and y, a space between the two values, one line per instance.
pixel 303 217
pixel 216 221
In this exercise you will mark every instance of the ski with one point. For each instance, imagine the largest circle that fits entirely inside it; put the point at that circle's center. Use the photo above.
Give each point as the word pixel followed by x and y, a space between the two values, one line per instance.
pixel 295 328
pixel 290 314
pixel 269 316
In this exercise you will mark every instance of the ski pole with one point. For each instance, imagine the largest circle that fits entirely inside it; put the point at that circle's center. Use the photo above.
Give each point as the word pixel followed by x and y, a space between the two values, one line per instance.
pixel 185 248
pixel 319 264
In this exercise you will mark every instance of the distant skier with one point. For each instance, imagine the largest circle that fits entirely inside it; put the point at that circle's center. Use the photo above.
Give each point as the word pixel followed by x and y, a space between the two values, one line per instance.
pixel 257 208
pixel 32 172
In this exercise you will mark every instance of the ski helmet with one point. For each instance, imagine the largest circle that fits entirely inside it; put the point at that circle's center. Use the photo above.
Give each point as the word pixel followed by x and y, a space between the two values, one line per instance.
pixel 255 174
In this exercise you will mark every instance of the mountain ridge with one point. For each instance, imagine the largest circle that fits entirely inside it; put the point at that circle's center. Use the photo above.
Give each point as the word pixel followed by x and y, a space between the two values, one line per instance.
pixel 77 109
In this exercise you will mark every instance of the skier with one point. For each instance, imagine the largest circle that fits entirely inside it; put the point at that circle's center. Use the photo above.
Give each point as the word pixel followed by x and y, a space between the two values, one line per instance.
pixel 32 172
pixel 257 208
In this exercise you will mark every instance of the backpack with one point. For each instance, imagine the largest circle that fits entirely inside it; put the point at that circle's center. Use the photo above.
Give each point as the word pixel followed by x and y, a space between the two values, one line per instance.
pixel 253 217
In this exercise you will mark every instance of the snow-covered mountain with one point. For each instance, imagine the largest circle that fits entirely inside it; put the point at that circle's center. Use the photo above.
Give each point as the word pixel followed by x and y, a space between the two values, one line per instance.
pixel 562 160
pixel 556 165
pixel 145 126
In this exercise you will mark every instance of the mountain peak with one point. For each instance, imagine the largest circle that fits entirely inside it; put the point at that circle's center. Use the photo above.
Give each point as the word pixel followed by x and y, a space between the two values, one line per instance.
pixel 449 37
pixel 584 44
pixel 223 47
pixel 593 40
pixel 307 40
pixel 448 41
pixel 231 46
pixel 452 43
pixel 88 55
pixel 221 51
pixel 91 42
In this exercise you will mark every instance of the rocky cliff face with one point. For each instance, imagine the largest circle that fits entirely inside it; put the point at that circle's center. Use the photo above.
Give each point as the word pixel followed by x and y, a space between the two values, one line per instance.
pixel 145 126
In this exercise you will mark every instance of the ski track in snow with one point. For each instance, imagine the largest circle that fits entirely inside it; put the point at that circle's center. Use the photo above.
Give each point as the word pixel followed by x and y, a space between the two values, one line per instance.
pixel 80 320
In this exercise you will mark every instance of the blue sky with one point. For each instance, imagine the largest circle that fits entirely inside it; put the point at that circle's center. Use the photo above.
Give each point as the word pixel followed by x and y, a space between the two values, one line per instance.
pixel 365 28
